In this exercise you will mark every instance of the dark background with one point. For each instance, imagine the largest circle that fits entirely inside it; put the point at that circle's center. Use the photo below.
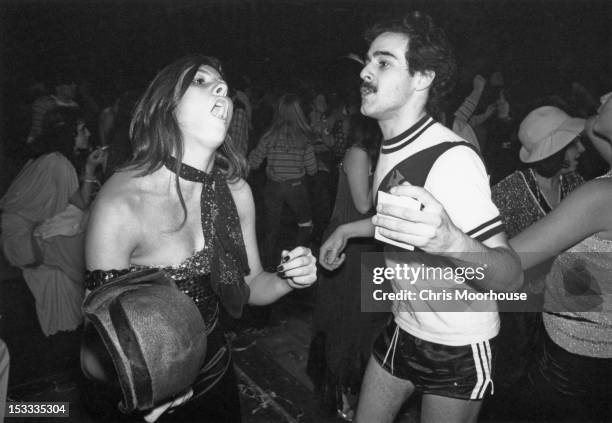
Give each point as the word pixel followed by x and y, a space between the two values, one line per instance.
pixel 541 45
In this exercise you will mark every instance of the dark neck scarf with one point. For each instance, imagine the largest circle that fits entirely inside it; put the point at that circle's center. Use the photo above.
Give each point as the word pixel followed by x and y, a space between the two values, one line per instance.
pixel 222 236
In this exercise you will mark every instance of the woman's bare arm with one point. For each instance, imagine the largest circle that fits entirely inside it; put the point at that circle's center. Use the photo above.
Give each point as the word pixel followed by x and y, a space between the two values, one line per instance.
pixel 586 211
pixel 357 167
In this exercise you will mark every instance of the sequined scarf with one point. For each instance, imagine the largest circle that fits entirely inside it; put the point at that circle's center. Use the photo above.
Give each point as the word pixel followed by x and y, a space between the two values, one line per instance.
pixel 222 236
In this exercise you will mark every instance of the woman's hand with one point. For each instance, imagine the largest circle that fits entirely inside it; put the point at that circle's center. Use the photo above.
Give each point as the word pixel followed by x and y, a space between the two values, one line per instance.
pixel 479 83
pixel 330 254
pixel 96 158
pixel 154 414
pixel 298 267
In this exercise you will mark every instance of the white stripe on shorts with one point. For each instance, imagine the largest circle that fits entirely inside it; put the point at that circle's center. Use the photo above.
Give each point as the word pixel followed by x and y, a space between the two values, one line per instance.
pixel 481 353
pixel 489 361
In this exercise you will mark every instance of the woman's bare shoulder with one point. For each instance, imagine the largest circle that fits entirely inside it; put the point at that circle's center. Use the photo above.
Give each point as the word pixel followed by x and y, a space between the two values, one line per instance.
pixel 117 222
pixel 239 186
pixel 120 186
pixel 121 196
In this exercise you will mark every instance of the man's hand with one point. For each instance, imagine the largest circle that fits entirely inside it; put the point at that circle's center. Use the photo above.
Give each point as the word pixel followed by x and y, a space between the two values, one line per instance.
pixel 298 267
pixel 479 83
pixel 330 254
pixel 154 414
pixel 429 229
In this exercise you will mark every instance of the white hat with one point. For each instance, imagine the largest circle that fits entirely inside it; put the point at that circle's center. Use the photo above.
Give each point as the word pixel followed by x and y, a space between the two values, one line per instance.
pixel 545 131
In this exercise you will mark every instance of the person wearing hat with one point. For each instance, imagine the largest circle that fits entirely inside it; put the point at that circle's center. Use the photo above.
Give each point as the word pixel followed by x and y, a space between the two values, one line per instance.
pixel 550 150
pixel 570 378
pixel 180 206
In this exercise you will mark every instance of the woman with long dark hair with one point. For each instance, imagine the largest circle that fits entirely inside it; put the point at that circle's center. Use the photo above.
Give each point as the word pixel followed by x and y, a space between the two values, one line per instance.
pixel 181 206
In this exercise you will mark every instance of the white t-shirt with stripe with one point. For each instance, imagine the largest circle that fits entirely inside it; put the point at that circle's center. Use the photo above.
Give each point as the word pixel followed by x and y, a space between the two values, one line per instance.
pixel 457 179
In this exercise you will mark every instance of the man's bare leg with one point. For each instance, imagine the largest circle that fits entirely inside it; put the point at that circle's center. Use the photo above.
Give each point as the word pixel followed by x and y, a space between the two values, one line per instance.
pixel 435 409
pixel 382 395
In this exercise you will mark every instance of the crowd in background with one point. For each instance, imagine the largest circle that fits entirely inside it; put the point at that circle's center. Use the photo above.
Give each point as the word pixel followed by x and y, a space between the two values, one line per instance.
pixel 311 156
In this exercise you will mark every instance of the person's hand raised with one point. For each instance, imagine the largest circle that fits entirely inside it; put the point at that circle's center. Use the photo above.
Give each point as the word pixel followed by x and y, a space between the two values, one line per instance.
pixel 479 83
pixel 96 158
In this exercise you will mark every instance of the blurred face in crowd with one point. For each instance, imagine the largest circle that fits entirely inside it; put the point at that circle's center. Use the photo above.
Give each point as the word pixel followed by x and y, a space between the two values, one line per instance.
pixel 599 128
pixel 81 139
pixel 204 112
pixel 320 103
pixel 66 91
pixel 572 154
pixel 388 88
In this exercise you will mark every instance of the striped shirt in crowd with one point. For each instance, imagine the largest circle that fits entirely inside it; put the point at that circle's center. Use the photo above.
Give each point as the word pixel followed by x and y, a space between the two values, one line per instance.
pixel 466 109
pixel 285 162
pixel 461 122
pixel 239 130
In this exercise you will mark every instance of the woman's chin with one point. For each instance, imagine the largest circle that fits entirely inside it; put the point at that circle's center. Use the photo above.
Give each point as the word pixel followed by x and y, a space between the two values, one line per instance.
pixel 212 139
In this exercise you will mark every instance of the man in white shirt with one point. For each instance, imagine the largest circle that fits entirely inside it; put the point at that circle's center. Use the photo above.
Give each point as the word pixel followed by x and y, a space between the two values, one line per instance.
pixel 441 349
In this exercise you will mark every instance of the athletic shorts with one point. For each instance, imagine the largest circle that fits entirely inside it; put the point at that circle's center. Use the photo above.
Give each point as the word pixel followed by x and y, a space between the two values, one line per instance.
pixel 463 372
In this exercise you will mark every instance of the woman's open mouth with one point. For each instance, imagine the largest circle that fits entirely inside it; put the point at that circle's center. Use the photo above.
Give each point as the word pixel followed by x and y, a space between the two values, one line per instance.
pixel 221 108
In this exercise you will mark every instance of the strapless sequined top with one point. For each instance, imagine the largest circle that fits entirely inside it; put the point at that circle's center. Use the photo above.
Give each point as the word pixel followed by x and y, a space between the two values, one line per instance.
pixel 192 277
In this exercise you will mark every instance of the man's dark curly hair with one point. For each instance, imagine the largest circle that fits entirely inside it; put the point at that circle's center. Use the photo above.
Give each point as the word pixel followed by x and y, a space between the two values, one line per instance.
pixel 428 50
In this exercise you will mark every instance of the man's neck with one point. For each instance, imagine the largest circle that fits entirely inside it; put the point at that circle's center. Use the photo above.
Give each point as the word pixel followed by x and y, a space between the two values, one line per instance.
pixel 401 121
pixel 393 127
